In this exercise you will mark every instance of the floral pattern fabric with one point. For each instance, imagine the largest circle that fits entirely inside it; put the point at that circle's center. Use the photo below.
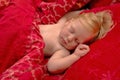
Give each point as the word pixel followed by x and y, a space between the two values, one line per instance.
pixel 23 44
pixel 26 60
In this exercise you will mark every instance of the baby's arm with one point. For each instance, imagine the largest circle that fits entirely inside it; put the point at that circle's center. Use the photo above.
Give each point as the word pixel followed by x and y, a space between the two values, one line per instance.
pixel 62 59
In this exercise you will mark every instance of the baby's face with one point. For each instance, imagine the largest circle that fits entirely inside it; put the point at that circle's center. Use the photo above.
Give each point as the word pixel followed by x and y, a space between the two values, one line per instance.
pixel 74 33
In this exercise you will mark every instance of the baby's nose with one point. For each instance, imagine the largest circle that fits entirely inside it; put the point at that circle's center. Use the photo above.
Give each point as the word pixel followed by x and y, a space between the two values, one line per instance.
pixel 70 38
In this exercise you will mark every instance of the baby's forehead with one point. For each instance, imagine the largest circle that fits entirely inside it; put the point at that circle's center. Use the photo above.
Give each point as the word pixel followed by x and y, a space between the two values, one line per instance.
pixel 80 24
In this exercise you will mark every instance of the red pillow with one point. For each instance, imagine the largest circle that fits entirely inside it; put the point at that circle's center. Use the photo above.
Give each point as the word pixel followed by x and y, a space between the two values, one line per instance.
pixel 99 3
pixel 102 62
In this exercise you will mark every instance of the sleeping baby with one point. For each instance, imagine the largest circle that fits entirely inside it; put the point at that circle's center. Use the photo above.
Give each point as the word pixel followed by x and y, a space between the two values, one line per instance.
pixel 67 40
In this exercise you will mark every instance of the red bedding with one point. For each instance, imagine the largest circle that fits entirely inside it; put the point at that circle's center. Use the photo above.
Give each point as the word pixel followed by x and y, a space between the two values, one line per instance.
pixel 102 62
pixel 21 45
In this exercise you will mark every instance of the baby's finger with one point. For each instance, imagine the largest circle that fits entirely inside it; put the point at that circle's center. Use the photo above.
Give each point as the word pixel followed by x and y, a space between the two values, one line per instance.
pixel 83 47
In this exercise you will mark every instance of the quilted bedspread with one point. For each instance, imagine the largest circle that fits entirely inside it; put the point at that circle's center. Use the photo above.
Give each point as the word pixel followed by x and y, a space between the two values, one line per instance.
pixel 21 44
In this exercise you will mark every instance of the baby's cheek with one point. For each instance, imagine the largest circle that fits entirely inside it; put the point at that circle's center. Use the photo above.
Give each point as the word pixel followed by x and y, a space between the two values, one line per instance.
pixel 74 45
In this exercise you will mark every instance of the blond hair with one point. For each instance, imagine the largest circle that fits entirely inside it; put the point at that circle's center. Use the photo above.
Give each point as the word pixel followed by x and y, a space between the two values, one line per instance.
pixel 106 21
pixel 99 23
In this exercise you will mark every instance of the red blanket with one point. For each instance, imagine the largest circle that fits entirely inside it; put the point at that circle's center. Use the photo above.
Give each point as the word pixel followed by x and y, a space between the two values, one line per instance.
pixel 15 25
pixel 21 45
pixel 102 62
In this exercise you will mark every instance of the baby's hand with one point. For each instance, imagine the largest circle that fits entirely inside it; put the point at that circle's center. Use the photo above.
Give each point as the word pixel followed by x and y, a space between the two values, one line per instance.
pixel 81 50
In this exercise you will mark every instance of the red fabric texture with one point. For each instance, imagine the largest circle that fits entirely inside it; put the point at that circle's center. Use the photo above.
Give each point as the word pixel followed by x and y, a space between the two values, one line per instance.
pixel 15 24
pixel 21 45
pixel 102 62
pixel 100 3
pixel 51 12
pixel 4 3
